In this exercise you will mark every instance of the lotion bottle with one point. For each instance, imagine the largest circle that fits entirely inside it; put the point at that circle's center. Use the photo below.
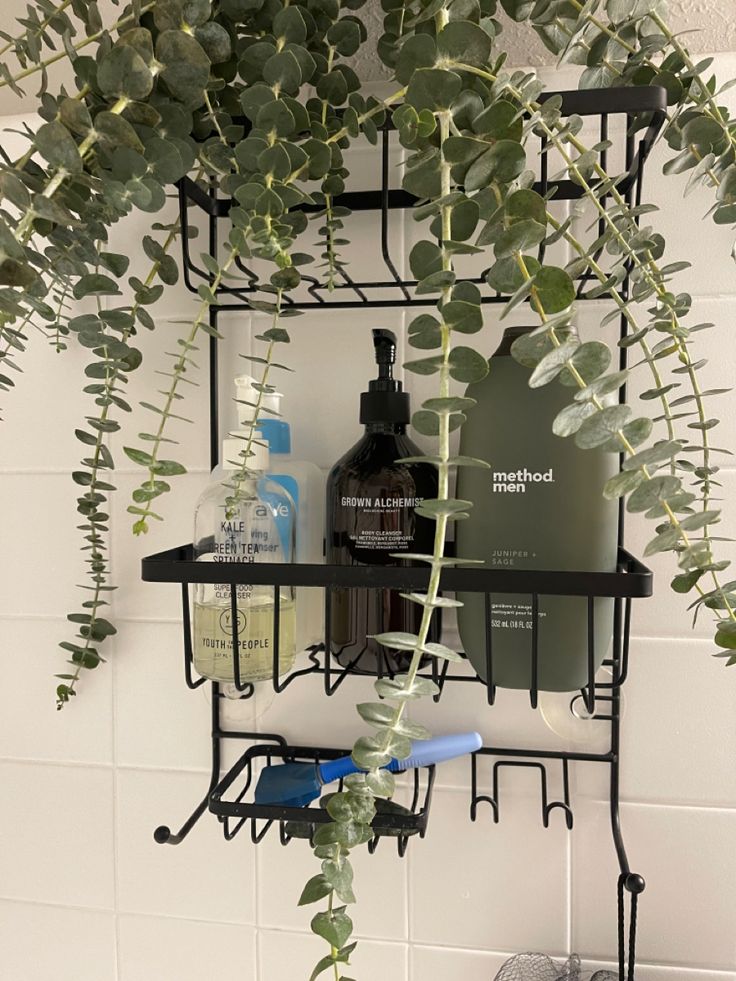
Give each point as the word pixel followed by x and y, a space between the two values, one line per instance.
pixel 305 483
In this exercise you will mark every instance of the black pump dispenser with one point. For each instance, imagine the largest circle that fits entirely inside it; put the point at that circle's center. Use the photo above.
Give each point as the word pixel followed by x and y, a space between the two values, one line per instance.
pixel 372 496
pixel 385 401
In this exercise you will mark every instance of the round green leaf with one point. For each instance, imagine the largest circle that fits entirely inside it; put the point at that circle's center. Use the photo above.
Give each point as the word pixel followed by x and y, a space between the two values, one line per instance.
pixel 345 35
pixel 424 332
pixel 520 237
pixel 503 162
pixel 465 42
pixel 289 25
pixel 554 288
pixel 506 276
pixel 56 145
pixel 186 68
pixel 417 51
pixel 602 427
pixel 590 361
pixel 652 492
pixel 282 71
pixel 433 89
pixel 215 42
pixel 500 121
pixel 524 204
pixel 123 72
pixel 333 88
pixel 425 258
pixel 467 365
pixel 466 318
pixel 116 131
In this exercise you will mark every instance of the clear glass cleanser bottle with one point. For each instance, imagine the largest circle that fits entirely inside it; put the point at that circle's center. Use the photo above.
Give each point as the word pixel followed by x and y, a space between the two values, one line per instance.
pixel 256 523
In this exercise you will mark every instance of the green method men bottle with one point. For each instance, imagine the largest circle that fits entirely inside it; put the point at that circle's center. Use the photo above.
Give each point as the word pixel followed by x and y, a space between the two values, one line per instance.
pixel 541 506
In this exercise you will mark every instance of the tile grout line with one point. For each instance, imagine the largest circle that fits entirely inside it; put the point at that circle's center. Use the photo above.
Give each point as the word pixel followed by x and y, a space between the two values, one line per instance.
pixel 455 789
pixel 113 666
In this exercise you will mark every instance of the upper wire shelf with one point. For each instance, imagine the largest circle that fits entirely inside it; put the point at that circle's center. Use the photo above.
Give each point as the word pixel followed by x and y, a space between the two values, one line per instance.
pixel 643 109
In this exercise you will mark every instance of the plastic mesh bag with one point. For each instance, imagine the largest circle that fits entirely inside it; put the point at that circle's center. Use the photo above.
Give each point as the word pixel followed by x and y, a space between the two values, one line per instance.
pixel 539 967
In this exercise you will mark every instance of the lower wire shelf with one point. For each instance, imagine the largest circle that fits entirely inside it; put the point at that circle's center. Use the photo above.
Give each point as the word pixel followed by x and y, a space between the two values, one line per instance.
pixel 229 796
pixel 232 800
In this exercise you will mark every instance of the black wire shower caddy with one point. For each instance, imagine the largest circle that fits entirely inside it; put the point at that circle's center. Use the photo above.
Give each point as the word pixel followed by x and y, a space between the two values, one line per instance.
pixel 229 795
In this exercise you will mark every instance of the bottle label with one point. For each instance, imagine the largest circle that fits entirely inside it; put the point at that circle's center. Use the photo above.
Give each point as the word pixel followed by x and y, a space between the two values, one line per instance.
pixel 283 517
pixel 517 481
pixel 382 524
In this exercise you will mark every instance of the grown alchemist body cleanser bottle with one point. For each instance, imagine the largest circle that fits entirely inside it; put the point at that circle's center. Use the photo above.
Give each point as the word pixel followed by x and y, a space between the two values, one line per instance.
pixel 256 526
pixel 371 501
pixel 541 506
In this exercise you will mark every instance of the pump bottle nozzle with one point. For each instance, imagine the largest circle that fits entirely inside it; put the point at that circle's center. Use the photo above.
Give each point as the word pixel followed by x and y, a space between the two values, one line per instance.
pixel 384 343
pixel 385 401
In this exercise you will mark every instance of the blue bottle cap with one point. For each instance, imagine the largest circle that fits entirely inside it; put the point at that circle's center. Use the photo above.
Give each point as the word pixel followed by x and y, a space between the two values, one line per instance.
pixel 277 434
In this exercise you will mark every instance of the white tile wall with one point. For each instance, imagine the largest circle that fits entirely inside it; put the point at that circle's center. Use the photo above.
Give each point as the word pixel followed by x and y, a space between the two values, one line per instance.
pixel 87 895
pixel 185 950
pixel 685 855
pixel 215 883
pixel 474 891
pixel 283 957
pixel 56 943
pixel 56 834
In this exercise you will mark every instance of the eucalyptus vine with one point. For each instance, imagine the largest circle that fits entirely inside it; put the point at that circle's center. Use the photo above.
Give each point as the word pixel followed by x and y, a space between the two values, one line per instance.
pixel 257 98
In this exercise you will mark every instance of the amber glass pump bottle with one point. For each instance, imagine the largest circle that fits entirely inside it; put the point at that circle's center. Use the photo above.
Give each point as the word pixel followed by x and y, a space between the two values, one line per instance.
pixel 371 497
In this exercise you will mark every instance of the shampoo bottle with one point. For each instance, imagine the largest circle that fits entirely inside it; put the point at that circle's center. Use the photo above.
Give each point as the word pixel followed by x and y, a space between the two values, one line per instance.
pixel 305 483
pixel 371 500
pixel 541 506
pixel 253 524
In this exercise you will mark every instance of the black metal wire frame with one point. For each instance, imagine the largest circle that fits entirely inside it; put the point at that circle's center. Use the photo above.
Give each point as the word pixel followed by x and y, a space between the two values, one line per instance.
pixel 644 109
pixel 641 107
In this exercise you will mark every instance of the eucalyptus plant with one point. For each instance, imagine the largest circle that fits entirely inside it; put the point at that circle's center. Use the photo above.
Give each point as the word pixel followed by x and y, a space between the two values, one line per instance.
pixel 257 98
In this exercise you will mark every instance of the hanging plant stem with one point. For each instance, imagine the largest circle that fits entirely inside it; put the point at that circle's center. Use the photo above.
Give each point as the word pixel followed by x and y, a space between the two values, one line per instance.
pixel 153 487
pixel 626 446
pixel 37 31
pixel 243 473
pixel 646 266
pixel 94 630
pixel 7 78
pixel 623 305
pixel 353 810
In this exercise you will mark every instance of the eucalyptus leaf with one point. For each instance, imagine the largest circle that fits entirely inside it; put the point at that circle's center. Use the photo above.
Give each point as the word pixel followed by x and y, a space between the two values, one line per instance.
pixel 466 365
pixel 123 72
pixel 602 427
pixel 57 146
pixel 433 88
pixel 186 67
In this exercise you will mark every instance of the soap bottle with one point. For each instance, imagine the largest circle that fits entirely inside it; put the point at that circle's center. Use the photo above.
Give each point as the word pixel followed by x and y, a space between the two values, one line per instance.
pixel 541 506
pixel 371 500
pixel 305 483
pixel 253 523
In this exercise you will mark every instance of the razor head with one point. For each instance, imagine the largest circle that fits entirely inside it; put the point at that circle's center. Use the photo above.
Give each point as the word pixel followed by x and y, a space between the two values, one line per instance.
pixel 288 785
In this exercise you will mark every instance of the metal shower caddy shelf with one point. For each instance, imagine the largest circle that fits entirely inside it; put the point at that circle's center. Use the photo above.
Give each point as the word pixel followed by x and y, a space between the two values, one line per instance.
pixel 228 795
pixel 641 107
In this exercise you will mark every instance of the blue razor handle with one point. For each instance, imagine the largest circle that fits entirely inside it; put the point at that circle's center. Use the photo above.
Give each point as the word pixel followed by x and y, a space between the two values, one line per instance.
pixel 423 753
